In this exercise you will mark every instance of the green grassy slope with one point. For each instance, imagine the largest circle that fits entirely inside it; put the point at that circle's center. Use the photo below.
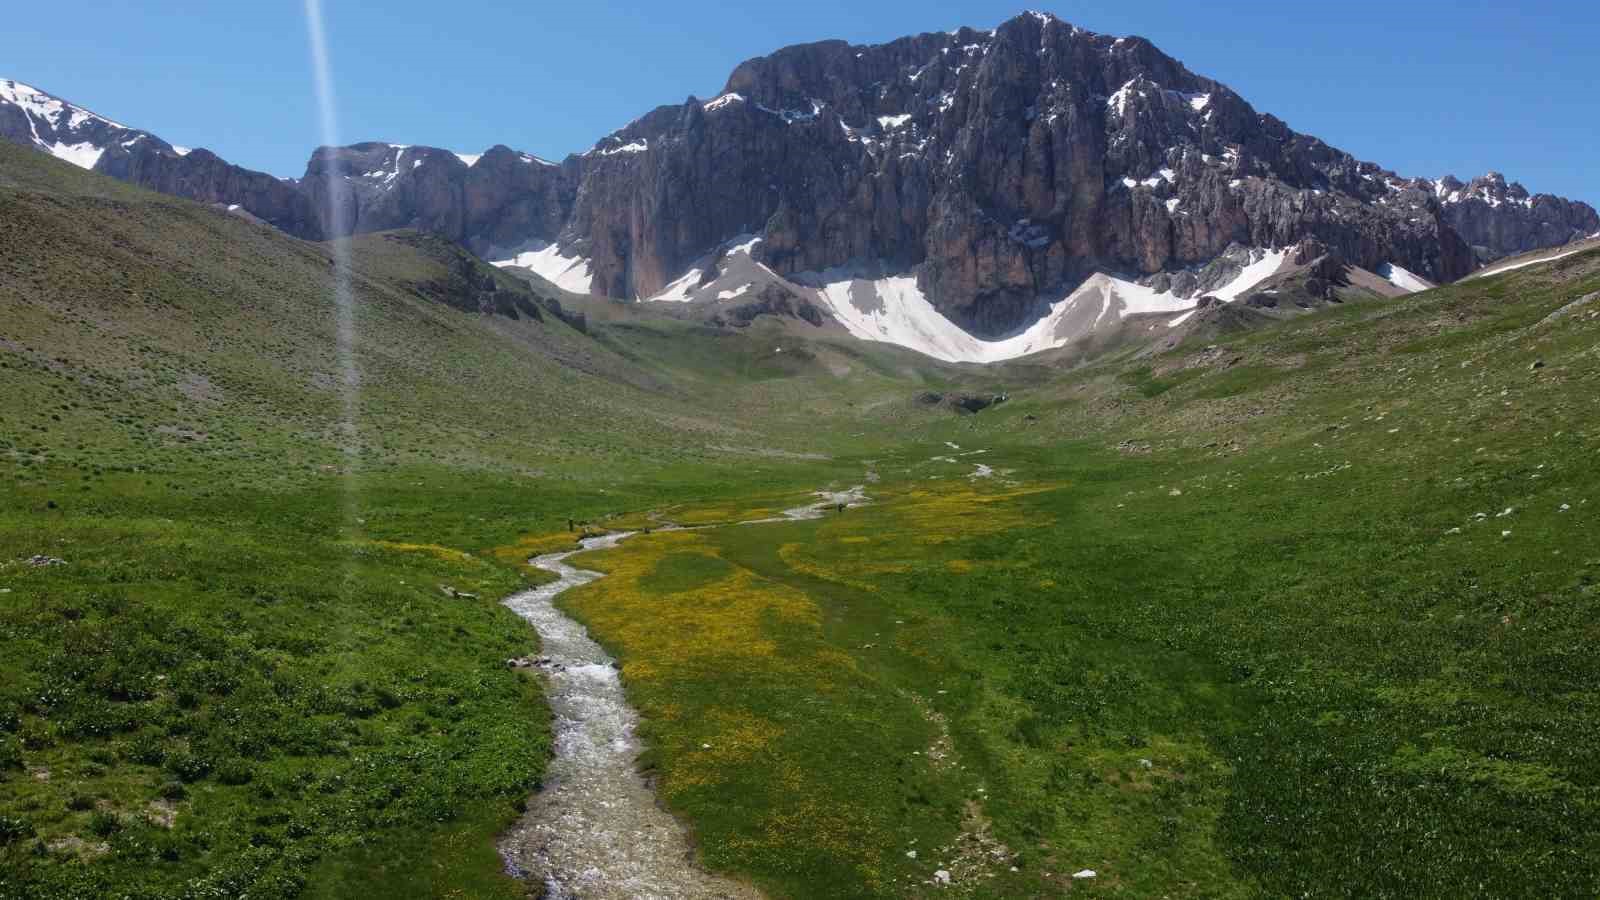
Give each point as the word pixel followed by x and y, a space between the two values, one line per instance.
pixel 1224 621
pixel 1304 612
pixel 248 637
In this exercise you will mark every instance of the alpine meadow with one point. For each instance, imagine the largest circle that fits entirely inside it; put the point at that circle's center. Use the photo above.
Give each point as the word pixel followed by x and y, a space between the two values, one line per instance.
pixel 996 463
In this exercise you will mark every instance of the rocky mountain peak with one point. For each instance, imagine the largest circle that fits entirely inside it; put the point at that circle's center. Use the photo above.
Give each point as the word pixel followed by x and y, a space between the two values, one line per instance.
pixel 980 175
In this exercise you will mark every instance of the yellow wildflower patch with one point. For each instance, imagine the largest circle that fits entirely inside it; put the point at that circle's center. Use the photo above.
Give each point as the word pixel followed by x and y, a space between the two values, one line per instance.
pixel 526 548
pixel 446 554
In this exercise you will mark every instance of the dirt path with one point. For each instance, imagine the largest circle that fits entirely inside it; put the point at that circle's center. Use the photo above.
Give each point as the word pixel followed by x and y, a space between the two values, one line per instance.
pixel 595 831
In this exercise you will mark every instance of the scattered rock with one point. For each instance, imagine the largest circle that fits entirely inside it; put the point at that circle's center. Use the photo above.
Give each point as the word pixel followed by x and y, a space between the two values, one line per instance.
pixel 911 854
pixel 1536 365
pixel 162 814
pixel 1085 873
pixel 39 562
pixel 941 876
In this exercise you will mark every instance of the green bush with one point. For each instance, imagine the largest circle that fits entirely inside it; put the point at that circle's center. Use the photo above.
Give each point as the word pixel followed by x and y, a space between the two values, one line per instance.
pixel 13 829
pixel 234 771
pixel 188 766
pixel 147 750
pixel 10 754
pixel 105 824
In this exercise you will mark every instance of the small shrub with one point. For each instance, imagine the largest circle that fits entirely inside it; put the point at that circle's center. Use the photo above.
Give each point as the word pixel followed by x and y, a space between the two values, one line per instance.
pixel 189 767
pixel 13 829
pixel 234 772
pixel 10 754
pixel 105 824
pixel 37 737
pixel 173 790
pixel 146 750
pixel 80 803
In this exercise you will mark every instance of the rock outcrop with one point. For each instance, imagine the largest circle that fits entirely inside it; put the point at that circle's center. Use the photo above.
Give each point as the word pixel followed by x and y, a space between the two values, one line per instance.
pixel 996 167
pixel 1499 219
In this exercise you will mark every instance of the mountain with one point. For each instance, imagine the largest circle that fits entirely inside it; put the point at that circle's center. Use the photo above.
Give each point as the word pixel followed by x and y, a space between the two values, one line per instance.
pixel 971 194
pixel 32 117
pixel 1500 219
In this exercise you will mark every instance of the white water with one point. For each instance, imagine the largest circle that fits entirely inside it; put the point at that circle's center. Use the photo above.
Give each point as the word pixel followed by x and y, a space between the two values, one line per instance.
pixel 595 830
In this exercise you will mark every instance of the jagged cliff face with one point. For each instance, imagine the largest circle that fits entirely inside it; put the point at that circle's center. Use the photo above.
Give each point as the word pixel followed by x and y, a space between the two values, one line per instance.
pixel 993 168
pixel 1500 219
pixel 999 165
pixel 491 201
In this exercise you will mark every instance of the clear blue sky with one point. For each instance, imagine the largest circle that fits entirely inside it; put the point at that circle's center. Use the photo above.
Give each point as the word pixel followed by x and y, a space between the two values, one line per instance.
pixel 1425 87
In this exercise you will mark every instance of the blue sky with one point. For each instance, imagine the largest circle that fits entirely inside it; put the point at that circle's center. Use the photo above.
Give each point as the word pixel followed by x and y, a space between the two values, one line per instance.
pixel 1425 87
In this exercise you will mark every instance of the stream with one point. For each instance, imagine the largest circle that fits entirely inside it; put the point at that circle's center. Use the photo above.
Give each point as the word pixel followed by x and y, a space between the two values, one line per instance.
pixel 595 830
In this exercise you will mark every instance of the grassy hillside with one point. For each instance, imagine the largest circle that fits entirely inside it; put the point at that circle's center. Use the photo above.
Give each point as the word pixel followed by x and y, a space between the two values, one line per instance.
pixel 247 639
pixel 1302 610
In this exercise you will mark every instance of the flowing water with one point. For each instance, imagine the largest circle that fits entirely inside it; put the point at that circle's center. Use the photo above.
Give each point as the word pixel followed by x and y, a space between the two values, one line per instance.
pixel 595 830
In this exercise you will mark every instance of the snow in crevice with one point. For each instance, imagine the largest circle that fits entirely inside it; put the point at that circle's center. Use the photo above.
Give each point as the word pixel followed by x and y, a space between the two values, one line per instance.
pixel 638 146
pixel 1119 100
pixel 724 101
pixel 471 159
pixel 795 116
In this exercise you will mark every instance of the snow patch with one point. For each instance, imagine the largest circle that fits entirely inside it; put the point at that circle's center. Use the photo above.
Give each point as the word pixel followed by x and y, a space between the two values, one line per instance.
pixel 471 159
pixel 1406 281
pixel 1496 270
pixel 724 101
pixel 679 291
pixel 890 123
pixel 570 273
pixel 83 155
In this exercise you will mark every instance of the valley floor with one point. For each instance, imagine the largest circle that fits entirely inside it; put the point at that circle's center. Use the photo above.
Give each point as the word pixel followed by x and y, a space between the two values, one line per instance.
pixel 1304 611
